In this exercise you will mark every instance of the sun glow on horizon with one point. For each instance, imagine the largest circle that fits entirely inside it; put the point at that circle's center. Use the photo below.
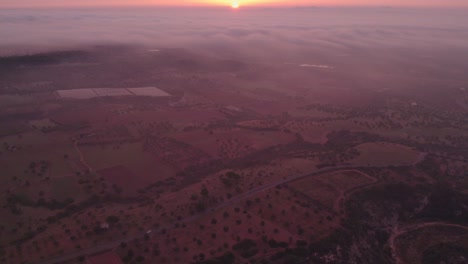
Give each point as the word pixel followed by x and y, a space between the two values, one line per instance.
pixel 234 4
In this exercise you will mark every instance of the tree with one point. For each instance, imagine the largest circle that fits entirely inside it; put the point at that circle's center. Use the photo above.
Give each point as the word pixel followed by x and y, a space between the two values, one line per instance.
pixel 200 206
pixel 204 192
pixel 225 214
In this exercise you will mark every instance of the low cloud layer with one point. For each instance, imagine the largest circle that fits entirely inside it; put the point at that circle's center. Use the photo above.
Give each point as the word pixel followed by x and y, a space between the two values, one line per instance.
pixel 254 32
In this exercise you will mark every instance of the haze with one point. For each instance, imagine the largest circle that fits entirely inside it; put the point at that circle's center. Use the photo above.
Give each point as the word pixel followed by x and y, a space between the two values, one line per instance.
pixel 290 30
pixel 286 132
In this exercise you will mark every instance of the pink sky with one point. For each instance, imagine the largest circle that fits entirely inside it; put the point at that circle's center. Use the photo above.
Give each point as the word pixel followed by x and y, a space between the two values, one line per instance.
pixel 46 3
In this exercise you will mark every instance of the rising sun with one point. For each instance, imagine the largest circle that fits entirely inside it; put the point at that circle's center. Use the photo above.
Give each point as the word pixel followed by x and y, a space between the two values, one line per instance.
pixel 235 5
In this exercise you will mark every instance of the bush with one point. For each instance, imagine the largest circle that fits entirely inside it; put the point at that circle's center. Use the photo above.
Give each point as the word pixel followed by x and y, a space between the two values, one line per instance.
pixel 112 219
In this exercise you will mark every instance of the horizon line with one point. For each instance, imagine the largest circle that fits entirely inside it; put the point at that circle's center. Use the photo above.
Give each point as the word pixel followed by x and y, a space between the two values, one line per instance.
pixel 250 6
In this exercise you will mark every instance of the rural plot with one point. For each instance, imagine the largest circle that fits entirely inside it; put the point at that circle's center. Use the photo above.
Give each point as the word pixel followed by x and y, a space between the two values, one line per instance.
pixel 121 178
pixel 12 100
pixel 259 124
pixel 233 143
pixel 176 153
pixel 41 124
pixel 77 93
pixel 111 91
pixel 328 188
pixel 85 114
pixel 29 148
pixel 65 188
pixel 142 167
pixel 381 154
pixel 309 130
pixel 148 91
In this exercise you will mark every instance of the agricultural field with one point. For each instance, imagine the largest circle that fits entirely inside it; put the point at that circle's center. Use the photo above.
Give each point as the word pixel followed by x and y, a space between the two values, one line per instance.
pixel 143 166
pixel 223 165
pixel 330 189
pixel 381 154
pixel 43 124
pixel 233 143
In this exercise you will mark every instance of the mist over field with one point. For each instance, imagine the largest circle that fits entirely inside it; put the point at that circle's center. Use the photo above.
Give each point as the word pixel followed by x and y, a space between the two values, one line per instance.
pixel 287 32
pixel 369 44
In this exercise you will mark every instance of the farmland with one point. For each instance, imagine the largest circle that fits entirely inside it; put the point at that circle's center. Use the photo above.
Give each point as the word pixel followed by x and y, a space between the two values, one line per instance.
pixel 380 154
pixel 328 189
pixel 217 166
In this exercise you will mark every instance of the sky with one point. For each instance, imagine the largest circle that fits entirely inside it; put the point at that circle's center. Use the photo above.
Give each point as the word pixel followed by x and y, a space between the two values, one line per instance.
pixel 71 3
